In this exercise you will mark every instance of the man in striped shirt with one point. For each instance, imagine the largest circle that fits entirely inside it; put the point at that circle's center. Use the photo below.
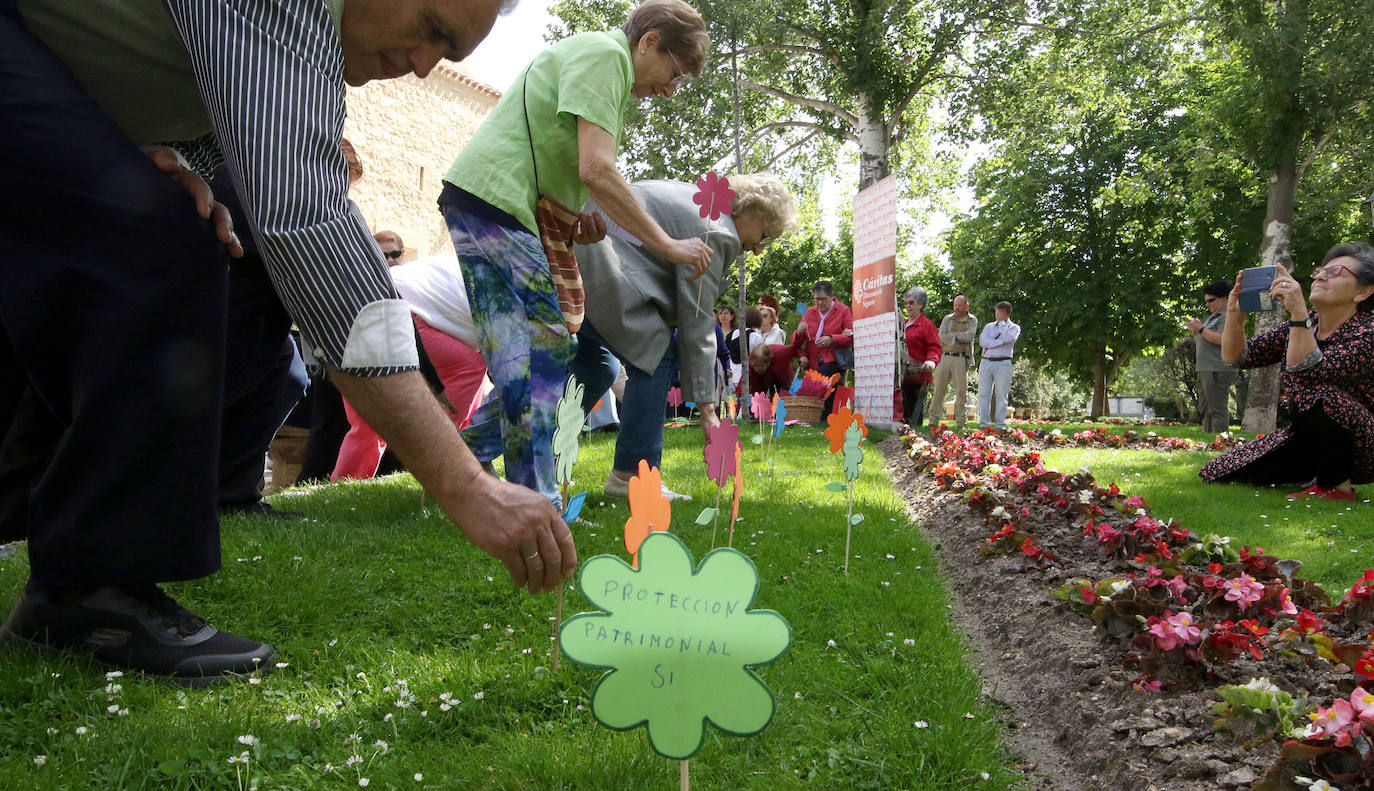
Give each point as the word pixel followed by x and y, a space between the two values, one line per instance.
pixel 112 309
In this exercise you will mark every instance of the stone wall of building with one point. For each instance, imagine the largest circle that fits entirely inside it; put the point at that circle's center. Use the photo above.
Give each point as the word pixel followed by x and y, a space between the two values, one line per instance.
pixel 406 132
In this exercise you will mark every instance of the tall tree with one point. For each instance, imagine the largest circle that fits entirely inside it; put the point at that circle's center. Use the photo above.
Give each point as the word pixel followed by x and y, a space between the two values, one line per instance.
pixel 815 73
pixel 1076 222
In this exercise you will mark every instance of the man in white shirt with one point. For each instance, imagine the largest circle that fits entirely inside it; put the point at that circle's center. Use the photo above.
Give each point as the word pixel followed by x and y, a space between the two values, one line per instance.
pixel 998 340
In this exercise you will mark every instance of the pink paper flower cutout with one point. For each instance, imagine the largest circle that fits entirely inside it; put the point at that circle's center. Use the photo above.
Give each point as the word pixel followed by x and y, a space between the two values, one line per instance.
pixel 720 452
pixel 761 406
pixel 714 196
pixel 674 396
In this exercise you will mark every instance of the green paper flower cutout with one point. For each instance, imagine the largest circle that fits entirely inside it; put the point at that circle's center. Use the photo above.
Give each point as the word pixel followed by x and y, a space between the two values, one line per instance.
pixel 853 454
pixel 679 643
pixel 569 418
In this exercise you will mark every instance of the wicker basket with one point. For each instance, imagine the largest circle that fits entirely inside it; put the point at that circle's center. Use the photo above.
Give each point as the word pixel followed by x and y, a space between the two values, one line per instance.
pixel 807 409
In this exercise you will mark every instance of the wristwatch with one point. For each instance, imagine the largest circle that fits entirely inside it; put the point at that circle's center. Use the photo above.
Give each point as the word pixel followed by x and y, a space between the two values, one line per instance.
pixel 1308 322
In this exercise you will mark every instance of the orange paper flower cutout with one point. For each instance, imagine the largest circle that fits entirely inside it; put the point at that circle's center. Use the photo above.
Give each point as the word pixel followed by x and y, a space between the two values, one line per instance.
pixel 650 511
pixel 839 422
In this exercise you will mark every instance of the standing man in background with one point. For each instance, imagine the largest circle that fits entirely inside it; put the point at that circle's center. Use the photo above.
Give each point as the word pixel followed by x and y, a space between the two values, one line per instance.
pixel 1215 377
pixel 956 343
pixel 994 375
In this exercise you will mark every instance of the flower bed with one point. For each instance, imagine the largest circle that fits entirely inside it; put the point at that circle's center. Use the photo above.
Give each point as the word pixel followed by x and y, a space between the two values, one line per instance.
pixel 1179 613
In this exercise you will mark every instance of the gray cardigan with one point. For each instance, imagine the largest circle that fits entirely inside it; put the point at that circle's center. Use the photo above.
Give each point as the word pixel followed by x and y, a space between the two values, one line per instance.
pixel 635 297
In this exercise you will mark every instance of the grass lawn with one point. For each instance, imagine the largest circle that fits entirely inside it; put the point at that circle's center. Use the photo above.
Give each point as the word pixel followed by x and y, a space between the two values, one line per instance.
pixel 1335 541
pixel 410 662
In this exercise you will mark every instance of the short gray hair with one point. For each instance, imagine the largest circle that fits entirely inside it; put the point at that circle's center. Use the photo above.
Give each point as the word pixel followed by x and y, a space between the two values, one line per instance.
pixel 769 198
pixel 917 293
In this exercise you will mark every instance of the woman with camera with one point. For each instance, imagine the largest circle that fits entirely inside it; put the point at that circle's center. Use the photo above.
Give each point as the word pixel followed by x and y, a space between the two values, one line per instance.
pixel 1327 353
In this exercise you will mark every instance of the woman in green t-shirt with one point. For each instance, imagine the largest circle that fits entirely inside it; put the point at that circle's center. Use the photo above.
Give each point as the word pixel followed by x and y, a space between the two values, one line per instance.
pixel 554 135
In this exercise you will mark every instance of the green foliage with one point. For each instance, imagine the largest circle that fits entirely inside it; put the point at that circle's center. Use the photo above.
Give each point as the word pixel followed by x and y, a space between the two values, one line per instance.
pixel 1047 392
pixel 1270 712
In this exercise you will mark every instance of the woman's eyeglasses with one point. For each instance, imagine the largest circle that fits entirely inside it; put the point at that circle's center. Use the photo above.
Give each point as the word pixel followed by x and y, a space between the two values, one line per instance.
pixel 1331 270
pixel 680 75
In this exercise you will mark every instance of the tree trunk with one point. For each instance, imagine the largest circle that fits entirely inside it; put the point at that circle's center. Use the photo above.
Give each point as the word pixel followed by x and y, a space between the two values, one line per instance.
pixel 874 143
pixel 1100 406
pixel 1261 408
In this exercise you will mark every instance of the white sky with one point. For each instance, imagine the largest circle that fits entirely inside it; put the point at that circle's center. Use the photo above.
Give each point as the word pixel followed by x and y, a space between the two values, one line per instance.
pixel 514 41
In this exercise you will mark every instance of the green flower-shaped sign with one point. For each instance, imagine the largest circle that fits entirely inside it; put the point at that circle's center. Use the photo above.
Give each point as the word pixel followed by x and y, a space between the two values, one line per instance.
pixel 568 428
pixel 679 643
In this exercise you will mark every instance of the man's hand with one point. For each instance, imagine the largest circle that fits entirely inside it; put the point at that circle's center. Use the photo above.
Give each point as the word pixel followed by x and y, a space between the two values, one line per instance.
pixel 928 366
pixel 690 252
pixel 1194 326
pixel 515 525
pixel 518 527
pixel 206 205
pixel 591 228
pixel 801 363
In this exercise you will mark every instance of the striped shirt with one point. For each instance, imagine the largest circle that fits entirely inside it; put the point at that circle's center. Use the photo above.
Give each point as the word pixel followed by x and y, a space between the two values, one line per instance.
pixel 269 75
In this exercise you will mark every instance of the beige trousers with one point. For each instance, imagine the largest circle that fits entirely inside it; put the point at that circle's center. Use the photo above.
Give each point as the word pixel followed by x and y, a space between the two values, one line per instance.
pixel 950 370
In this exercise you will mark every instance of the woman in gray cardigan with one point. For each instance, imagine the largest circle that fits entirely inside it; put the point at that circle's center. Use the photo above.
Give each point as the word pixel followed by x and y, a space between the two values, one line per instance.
pixel 636 298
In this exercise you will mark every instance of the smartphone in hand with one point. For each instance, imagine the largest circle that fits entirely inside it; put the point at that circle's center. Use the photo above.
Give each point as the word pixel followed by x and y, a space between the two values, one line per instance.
pixel 1254 289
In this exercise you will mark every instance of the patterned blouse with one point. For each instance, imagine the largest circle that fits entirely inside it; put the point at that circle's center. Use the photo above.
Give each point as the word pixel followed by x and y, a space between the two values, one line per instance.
pixel 1341 383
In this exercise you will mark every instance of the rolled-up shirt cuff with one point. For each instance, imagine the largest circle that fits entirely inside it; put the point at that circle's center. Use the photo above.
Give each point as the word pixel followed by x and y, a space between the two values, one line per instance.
pixel 1307 362
pixel 381 341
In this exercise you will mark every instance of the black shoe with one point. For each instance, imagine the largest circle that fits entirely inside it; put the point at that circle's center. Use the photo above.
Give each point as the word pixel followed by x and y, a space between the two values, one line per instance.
pixel 260 508
pixel 134 627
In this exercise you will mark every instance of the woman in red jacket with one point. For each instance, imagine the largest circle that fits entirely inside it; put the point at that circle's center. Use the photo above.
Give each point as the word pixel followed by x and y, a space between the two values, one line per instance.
pixel 923 349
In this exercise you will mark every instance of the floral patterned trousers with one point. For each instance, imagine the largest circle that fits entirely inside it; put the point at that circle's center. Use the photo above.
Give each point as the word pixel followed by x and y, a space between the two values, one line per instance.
pixel 522 337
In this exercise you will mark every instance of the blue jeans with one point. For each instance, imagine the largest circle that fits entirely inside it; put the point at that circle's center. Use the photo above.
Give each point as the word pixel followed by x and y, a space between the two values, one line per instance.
pixel 646 397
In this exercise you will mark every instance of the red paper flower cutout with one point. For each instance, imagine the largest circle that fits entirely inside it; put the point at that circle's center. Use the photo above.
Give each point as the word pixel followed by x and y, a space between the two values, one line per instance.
pixel 714 196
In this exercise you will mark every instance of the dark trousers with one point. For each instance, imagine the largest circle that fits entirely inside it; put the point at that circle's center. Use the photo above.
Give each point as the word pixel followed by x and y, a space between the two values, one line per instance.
pixel 913 402
pixel 829 369
pixel 328 427
pixel 112 310
pixel 646 397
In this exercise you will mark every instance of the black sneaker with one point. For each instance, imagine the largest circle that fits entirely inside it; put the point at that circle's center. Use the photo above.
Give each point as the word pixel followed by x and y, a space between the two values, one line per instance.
pixel 138 628
pixel 260 508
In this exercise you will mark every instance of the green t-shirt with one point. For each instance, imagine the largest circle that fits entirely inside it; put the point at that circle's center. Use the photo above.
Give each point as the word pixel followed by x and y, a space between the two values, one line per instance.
pixel 589 76
pixel 128 55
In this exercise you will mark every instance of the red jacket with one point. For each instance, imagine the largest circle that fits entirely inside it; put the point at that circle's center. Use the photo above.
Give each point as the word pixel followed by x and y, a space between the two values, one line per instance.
pixel 923 345
pixel 836 323
pixel 779 373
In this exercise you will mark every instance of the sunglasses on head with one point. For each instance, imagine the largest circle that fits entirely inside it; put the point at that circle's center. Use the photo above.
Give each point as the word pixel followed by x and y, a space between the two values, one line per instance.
pixel 394 254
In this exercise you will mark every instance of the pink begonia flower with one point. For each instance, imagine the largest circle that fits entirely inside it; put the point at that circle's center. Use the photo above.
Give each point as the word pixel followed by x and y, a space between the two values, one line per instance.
pixel 1363 703
pixel 1175 630
pixel 1286 605
pixel 1244 590
pixel 1336 721
pixel 1135 502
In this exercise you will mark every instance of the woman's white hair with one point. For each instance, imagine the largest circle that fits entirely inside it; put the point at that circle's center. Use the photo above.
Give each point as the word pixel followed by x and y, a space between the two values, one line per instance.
pixel 769 197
